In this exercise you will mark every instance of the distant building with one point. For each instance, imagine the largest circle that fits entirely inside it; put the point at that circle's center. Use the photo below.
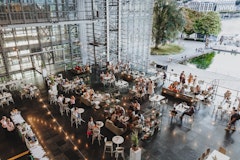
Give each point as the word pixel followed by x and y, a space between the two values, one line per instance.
pixel 212 5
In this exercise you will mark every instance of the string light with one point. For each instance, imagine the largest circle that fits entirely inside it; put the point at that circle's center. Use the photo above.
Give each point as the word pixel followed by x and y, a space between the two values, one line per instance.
pixel 55 128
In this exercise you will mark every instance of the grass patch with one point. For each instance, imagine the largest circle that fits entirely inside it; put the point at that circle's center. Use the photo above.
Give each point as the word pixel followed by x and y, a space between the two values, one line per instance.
pixel 167 50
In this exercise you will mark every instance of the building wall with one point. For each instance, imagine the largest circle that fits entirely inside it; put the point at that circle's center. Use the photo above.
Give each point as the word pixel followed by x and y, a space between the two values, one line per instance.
pixel 65 33
pixel 212 5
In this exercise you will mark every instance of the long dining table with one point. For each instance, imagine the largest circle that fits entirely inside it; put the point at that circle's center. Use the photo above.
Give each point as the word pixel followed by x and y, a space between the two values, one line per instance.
pixel 216 155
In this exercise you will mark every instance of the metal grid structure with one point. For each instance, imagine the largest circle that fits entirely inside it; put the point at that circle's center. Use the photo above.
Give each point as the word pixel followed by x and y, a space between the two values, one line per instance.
pixel 65 33
pixel 136 31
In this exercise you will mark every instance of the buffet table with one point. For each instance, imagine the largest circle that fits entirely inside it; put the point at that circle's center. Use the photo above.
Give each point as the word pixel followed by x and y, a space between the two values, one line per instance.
pixel 216 155
pixel 183 97
pixel 28 136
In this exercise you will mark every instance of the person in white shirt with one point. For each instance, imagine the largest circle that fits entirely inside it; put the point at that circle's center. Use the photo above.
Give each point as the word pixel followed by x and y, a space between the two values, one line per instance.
pixel 60 98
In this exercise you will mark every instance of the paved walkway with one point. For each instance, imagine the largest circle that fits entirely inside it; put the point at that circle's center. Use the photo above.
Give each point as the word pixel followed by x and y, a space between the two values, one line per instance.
pixel 232 83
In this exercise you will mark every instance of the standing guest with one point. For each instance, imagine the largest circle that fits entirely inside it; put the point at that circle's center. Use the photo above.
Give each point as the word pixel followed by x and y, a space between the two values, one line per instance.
pixel 182 77
pixel 150 87
pixel 194 80
pixel 164 76
pixel 190 78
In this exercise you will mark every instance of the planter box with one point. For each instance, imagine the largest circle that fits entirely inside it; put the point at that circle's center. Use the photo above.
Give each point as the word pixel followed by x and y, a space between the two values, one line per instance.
pixel 135 155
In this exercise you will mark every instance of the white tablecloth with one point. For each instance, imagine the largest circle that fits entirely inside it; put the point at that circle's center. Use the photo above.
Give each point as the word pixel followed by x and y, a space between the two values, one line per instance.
pixel 121 83
pixel 156 98
pixel 219 156
pixel 182 107
pixel 37 151
pixel 17 119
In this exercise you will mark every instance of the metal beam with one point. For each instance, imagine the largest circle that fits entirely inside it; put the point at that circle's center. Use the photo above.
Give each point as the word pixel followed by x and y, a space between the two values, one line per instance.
pixel 50 24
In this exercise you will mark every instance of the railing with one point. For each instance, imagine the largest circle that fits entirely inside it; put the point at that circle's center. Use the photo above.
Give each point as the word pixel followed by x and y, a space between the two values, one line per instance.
pixel 218 94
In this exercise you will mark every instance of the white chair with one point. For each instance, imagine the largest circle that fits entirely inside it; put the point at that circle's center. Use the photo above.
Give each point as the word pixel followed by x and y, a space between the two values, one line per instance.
pixel 96 134
pixel 164 103
pixel 119 150
pixel 10 99
pixel 108 147
pixel 12 87
pixel 36 93
pixel 67 110
pixel 61 108
pixel 23 93
pixel 31 94
pixel 60 76
pixel 4 101
pixel 53 99
pixel 73 86
pixel 74 120
pixel 67 89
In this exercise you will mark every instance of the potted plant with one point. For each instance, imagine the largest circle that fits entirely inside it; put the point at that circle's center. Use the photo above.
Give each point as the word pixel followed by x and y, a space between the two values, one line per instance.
pixel 135 141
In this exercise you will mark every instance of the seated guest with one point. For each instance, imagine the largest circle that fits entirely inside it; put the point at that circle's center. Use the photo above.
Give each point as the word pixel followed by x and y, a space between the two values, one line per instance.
pixel 87 68
pixel 114 116
pixel 87 95
pixel 137 107
pixel 131 107
pixel 182 90
pixel 91 124
pixel 75 111
pixel 4 121
pixel 119 124
pixel 120 110
pixel 188 112
pixel 234 117
pixel 81 82
pixel 197 90
pixel 227 95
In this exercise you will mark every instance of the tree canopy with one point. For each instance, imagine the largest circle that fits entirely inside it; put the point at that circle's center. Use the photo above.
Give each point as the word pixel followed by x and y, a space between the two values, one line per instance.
pixel 168 21
pixel 208 24
pixel 190 17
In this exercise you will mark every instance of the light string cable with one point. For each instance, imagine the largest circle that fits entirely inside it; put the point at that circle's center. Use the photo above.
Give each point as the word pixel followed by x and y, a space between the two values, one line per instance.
pixel 60 127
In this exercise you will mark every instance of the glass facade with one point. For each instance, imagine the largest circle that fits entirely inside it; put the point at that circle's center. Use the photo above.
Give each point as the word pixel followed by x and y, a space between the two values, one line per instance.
pixel 65 33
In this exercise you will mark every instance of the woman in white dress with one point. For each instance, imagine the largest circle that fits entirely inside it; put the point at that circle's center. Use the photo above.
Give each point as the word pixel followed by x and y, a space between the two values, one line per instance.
pixel 150 87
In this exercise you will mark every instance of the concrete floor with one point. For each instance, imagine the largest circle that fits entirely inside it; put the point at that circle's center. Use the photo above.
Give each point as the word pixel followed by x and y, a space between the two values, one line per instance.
pixel 175 141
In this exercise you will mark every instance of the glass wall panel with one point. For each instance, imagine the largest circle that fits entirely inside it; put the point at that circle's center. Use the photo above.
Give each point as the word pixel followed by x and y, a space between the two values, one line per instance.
pixel 26 62
pixel 13 64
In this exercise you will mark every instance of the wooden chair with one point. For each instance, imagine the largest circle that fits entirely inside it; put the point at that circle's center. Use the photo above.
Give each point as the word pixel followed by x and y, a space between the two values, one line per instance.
pixel 222 150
